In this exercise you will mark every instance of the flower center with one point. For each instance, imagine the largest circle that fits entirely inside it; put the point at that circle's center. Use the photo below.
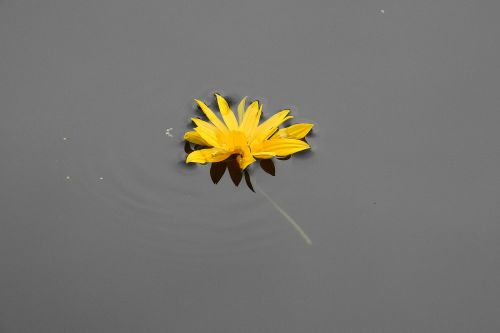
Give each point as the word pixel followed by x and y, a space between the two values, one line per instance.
pixel 236 142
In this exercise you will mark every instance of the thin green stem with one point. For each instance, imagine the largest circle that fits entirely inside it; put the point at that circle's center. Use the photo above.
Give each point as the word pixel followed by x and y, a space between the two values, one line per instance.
pixel 297 227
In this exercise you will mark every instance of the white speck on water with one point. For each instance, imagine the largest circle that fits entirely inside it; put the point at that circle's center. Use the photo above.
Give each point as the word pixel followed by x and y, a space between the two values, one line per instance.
pixel 68 177
pixel 382 11
pixel 101 178
pixel 167 132
pixel 65 139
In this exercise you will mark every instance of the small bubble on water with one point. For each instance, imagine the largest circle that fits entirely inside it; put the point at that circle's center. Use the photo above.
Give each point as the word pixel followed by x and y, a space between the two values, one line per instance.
pixel 68 177
pixel 65 139
pixel 382 11
pixel 101 178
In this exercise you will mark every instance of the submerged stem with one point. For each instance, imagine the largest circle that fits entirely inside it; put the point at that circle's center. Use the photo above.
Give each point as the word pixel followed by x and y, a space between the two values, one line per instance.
pixel 297 227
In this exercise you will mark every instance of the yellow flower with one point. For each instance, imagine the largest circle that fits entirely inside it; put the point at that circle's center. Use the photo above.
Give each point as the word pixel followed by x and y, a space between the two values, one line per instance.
pixel 243 136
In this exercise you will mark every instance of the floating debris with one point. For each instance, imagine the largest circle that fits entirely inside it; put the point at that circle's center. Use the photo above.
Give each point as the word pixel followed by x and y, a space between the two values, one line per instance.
pixel 167 132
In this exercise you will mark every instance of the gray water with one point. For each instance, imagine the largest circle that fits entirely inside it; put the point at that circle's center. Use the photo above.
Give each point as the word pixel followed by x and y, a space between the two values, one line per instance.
pixel 104 229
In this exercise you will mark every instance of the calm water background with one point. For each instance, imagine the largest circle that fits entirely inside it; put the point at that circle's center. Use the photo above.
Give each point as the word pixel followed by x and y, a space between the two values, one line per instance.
pixel 400 196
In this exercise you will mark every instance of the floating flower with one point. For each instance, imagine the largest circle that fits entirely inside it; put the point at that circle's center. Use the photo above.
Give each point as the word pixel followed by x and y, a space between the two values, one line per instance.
pixel 242 137
pixel 234 143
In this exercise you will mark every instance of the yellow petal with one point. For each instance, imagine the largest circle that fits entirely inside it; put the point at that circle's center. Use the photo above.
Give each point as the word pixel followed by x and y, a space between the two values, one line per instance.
pixel 207 155
pixel 297 131
pixel 227 113
pixel 251 119
pixel 195 137
pixel 241 109
pixel 211 116
pixel 207 131
pixel 236 141
pixel 283 147
pixel 245 160
pixel 267 128
pixel 264 155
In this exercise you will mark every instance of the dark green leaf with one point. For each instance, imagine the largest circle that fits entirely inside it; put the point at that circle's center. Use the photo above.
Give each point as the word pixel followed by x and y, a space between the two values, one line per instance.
pixel 234 171
pixel 247 180
pixel 268 166
pixel 217 171
pixel 187 147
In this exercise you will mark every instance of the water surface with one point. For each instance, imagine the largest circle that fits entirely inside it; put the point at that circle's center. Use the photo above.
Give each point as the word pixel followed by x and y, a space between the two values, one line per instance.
pixel 104 229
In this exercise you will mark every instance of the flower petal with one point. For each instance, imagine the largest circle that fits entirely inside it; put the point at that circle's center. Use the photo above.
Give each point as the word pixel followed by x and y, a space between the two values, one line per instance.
pixel 227 113
pixel 251 119
pixel 236 140
pixel 195 137
pixel 207 155
pixel 207 131
pixel 211 116
pixel 283 147
pixel 245 160
pixel 267 128
pixel 241 109
pixel 264 154
pixel 297 131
